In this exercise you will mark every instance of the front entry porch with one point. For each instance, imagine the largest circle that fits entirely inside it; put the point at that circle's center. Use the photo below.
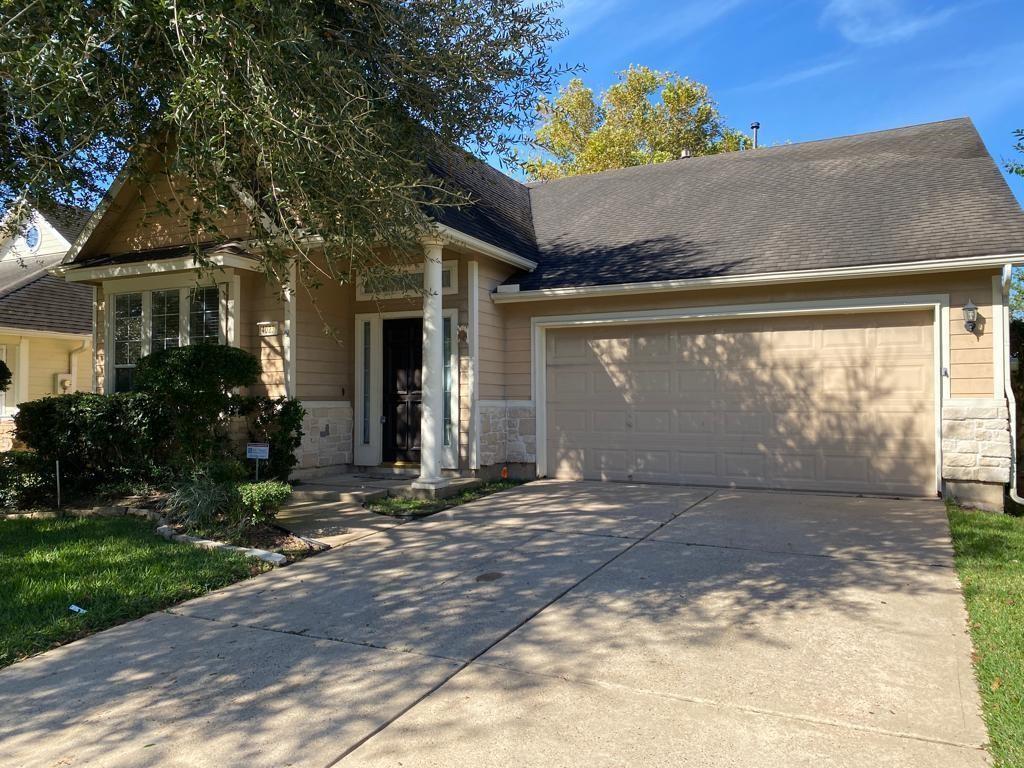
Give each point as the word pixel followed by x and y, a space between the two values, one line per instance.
pixel 406 383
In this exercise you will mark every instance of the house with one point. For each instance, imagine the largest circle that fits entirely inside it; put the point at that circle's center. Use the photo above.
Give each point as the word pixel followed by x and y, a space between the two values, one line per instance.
pixel 45 322
pixel 829 316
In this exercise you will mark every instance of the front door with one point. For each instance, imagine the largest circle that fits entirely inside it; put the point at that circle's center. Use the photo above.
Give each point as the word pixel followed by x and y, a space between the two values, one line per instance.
pixel 403 393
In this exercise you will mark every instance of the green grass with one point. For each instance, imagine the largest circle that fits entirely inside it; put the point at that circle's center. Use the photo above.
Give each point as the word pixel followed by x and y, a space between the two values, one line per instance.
pixel 423 507
pixel 116 568
pixel 990 560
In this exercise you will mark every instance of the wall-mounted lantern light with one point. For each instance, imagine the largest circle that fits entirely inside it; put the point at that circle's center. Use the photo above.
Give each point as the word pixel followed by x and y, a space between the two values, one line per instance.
pixel 970 316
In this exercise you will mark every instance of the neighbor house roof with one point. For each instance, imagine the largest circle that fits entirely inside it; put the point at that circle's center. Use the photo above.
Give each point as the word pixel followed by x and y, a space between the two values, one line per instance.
pixel 905 195
pixel 33 300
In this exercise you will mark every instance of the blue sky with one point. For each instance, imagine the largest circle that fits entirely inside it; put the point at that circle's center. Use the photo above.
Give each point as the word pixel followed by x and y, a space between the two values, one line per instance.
pixel 812 69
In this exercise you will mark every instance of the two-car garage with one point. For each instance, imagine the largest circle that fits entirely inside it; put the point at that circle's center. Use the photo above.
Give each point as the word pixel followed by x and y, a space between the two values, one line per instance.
pixel 833 401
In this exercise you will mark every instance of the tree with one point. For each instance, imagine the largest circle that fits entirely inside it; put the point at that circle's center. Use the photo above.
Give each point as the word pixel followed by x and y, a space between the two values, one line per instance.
pixel 5 376
pixel 297 118
pixel 1017 279
pixel 646 117
pixel 1016 166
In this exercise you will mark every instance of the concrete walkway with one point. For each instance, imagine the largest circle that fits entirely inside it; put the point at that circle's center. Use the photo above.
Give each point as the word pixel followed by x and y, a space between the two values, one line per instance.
pixel 557 624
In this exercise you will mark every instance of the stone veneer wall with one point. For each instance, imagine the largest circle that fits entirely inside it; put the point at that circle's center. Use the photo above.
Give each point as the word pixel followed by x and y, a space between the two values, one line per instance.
pixel 6 435
pixel 327 438
pixel 976 442
pixel 508 432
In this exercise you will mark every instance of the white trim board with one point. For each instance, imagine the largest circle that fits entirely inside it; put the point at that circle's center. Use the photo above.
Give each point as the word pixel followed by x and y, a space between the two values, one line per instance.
pixel 764 278
pixel 74 274
pixel 31 333
pixel 938 304
pixel 370 454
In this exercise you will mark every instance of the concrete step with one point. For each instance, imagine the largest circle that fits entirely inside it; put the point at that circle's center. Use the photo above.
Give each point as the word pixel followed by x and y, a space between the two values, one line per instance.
pixel 325 494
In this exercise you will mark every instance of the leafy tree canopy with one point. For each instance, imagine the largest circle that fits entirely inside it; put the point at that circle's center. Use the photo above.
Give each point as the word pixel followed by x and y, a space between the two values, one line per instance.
pixel 1017 280
pixel 307 116
pixel 645 117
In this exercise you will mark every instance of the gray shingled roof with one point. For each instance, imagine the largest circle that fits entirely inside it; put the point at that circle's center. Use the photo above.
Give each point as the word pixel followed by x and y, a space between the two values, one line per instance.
pixel 41 302
pixel 68 220
pixel 910 194
pixel 499 213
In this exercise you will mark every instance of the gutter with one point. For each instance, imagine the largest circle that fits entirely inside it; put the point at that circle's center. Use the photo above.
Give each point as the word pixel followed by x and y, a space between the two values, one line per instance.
pixel 510 293
pixel 73 356
pixel 1011 401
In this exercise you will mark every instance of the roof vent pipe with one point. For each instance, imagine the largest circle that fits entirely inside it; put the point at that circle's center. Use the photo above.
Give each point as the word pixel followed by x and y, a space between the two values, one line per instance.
pixel 685 154
pixel 755 127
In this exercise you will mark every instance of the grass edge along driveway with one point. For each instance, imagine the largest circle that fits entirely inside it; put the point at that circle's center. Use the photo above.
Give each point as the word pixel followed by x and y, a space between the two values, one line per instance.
pixel 990 562
pixel 116 568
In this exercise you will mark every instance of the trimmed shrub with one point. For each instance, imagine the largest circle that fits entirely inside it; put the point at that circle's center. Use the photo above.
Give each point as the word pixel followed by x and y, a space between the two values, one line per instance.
pixel 97 438
pixel 259 502
pixel 194 385
pixel 23 482
pixel 5 377
pixel 277 421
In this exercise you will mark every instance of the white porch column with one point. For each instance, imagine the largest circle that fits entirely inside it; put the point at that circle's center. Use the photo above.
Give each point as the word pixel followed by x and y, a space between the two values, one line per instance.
pixel 432 420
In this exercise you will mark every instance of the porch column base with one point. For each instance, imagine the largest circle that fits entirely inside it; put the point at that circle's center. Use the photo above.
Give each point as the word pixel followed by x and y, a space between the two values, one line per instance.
pixel 428 484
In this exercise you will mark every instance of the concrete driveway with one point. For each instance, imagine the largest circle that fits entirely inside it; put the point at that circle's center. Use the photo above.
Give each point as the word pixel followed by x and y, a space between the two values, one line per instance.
pixel 557 624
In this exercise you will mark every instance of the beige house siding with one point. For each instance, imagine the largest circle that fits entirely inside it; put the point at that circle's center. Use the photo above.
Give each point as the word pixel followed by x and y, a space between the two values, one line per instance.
pixel 971 373
pixel 135 223
pixel 324 352
pixel 261 302
pixel 493 339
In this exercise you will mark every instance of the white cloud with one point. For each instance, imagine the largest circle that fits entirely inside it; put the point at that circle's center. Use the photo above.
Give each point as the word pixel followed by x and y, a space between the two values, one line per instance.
pixel 686 19
pixel 578 15
pixel 877 22
pixel 799 75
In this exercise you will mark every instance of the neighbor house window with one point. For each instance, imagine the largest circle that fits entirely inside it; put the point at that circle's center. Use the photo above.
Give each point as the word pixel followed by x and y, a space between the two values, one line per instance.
pixel 150 321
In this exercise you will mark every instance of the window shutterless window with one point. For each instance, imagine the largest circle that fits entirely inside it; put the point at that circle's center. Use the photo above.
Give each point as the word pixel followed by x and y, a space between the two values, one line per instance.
pixel 127 338
pixel 149 321
pixel 166 320
pixel 204 316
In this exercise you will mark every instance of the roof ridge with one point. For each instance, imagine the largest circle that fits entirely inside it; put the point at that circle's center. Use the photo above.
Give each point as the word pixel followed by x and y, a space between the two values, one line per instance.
pixel 747 153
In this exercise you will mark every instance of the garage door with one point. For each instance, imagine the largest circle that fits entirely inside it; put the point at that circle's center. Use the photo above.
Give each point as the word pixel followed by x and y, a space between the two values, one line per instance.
pixel 826 402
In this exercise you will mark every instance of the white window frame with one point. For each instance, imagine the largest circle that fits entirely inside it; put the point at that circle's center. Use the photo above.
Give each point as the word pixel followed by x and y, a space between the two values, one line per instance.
pixel 146 286
pixel 370 454
pixel 451 267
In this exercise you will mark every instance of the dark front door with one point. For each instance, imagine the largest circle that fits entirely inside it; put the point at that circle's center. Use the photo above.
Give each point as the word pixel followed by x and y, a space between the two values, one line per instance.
pixel 403 393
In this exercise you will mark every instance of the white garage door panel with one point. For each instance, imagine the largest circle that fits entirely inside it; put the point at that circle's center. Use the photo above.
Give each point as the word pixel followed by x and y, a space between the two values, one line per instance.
pixel 817 402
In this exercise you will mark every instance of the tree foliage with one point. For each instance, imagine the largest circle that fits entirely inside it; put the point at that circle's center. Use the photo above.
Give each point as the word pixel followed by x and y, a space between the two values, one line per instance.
pixel 5 376
pixel 646 117
pixel 1017 166
pixel 299 117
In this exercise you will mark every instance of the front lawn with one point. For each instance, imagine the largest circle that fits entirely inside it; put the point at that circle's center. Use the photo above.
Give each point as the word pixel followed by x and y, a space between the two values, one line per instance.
pixel 115 568
pixel 398 507
pixel 990 560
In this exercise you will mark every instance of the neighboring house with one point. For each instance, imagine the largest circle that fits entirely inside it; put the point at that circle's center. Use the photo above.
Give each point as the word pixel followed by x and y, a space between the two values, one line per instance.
pixel 45 322
pixel 791 317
